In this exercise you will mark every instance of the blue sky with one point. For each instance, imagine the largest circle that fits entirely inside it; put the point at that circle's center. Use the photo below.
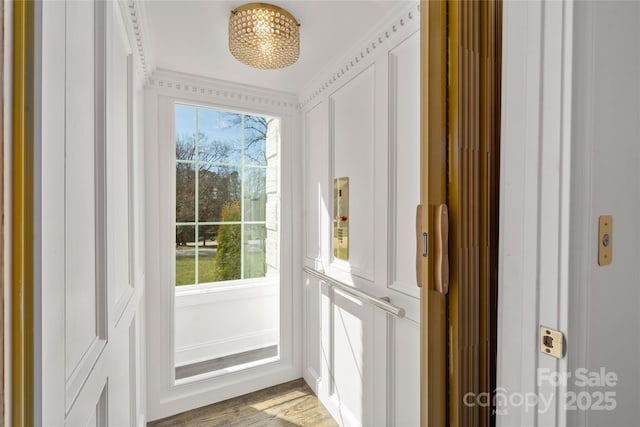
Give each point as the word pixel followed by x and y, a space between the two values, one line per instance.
pixel 210 122
pixel 215 125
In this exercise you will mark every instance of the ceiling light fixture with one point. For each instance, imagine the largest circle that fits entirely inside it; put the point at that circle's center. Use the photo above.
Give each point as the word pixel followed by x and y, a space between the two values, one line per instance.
pixel 264 36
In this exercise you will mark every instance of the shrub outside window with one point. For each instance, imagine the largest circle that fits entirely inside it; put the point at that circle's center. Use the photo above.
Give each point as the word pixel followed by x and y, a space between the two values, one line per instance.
pixel 227 195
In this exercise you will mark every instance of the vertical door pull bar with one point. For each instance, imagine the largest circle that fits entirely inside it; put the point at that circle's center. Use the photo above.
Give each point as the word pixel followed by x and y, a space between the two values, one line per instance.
pixel 442 249
pixel 420 241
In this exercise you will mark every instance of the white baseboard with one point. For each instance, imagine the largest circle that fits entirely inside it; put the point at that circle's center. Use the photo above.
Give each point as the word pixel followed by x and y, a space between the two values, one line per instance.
pixel 312 379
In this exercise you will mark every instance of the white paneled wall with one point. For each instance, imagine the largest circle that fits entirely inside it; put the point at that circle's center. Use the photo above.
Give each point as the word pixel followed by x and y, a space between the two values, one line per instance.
pixel 352 141
pixel 363 122
pixel 91 164
pixel 203 330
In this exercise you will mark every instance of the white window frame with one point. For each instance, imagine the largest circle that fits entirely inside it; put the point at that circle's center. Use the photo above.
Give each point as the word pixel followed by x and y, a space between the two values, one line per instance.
pixel 208 285
pixel 164 89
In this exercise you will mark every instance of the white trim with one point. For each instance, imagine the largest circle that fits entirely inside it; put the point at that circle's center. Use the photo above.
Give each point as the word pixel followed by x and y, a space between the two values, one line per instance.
pixel 135 15
pixel 534 193
pixel 164 396
pixel 222 93
pixel 578 323
pixel 407 20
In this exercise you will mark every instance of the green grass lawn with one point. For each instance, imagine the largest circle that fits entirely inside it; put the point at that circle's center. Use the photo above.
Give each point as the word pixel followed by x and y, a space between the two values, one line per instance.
pixel 185 267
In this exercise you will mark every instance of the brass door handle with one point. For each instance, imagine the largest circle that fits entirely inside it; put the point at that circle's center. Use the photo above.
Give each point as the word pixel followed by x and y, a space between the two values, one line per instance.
pixel 441 220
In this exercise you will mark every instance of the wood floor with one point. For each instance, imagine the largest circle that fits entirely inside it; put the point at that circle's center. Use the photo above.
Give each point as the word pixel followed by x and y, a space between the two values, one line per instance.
pixel 291 404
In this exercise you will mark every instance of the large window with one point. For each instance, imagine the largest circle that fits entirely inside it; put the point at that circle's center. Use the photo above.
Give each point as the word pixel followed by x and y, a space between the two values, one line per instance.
pixel 226 195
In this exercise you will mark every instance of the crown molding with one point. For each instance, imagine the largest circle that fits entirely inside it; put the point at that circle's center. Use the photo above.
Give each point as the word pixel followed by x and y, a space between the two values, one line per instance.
pixel 404 22
pixel 181 84
pixel 138 28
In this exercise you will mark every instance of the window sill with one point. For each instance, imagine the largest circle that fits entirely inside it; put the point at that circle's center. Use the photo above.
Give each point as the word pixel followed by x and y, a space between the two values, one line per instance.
pixel 215 287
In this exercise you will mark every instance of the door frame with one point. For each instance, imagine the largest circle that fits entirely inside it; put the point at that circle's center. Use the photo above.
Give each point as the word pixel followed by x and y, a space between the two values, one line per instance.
pixel 22 217
pixel 433 192
pixel 536 203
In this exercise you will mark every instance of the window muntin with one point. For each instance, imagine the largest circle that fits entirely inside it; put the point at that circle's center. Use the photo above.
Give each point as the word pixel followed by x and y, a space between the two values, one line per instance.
pixel 225 175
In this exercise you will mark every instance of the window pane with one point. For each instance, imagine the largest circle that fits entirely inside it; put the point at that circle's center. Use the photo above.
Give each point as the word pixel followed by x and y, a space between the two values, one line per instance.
pixel 255 193
pixel 185 255
pixel 254 251
pixel 227 261
pixel 185 192
pixel 185 132
pixel 255 142
pixel 219 136
pixel 219 186
pixel 207 249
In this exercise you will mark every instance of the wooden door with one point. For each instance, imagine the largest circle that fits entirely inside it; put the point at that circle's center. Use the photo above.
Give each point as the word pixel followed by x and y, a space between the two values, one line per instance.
pixel 433 193
pixel 460 168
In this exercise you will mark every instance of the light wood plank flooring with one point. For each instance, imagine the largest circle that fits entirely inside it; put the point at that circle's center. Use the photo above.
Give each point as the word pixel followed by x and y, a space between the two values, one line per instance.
pixel 291 404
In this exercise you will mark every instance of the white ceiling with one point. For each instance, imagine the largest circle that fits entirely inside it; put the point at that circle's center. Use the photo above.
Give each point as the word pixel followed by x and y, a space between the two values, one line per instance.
pixel 191 37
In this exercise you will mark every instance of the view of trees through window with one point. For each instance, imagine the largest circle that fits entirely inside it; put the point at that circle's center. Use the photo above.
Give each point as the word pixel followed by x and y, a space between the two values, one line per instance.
pixel 223 162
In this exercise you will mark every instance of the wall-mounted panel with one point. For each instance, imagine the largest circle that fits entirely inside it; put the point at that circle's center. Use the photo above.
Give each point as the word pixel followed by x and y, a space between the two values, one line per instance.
pixel 99 417
pixel 352 357
pixel 120 398
pixel 311 301
pixel 102 407
pixel 256 329
pixel 133 373
pixel 352 124
pixel 118 167
pixel 404 162
pixel 316 177
pixel 91 407
pixel 87 377
pixel 405 373
pixel 81 322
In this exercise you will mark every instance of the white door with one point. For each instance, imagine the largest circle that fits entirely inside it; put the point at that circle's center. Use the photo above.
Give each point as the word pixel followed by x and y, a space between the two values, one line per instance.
pixel 92 282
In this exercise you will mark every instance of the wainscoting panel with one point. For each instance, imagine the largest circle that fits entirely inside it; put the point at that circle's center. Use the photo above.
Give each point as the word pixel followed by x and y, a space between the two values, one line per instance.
pixel 89 362
pixel 352 359
pixel 363 364
pixel 404 162
pixel 404 369
pixel 118 166
pixel 85 332
pixel 316 192
pixel 312 330
pixel 352 124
